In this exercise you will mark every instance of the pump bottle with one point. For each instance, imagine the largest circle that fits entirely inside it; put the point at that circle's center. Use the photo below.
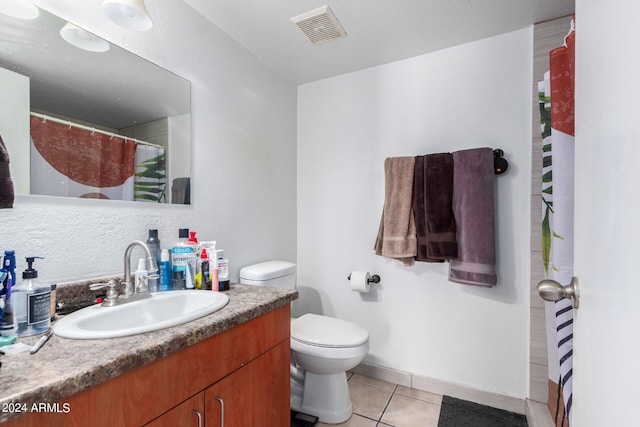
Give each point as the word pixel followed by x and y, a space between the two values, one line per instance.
pixel 32 302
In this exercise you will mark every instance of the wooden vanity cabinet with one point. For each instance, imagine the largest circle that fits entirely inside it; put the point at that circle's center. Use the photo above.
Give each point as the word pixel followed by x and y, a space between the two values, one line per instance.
pixel 245 367
pixel 252 396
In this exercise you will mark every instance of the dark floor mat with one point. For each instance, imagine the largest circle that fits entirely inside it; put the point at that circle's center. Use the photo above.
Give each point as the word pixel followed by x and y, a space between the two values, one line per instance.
pixel 302 420
pixel 461 413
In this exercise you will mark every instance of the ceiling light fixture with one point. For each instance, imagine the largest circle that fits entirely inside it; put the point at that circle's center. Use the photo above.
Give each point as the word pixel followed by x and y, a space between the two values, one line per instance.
pixel 83 39
pixel 130 14
pixel 21 9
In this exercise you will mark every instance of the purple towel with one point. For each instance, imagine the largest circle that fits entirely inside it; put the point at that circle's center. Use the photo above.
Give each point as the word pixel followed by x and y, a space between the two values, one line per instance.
pixel 473 207
pixel 432 204
pixel 6 184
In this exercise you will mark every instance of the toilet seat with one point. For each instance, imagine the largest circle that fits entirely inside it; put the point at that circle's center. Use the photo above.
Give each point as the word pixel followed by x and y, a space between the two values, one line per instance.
pixel 327 332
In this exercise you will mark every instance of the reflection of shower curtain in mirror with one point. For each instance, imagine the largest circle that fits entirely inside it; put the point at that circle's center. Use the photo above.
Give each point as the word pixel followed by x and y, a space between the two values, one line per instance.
pixel 150 174
pixel 68 161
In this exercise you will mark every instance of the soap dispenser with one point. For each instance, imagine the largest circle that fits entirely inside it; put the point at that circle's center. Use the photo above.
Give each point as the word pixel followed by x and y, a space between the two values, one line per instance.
pixel 32 302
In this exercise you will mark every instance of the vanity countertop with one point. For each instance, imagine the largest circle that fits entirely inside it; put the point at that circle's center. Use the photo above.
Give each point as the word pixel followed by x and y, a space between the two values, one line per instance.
pixel 63 367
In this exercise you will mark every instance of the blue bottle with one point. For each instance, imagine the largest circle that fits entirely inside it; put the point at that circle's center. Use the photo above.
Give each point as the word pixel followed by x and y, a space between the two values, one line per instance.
pixel 165 271
pixel 8 323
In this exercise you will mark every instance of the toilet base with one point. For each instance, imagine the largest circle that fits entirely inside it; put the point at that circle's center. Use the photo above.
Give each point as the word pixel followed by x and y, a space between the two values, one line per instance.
pixel 324 396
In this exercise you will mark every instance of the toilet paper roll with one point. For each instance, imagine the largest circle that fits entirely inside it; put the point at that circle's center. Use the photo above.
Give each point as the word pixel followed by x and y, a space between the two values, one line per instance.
pixel 360 281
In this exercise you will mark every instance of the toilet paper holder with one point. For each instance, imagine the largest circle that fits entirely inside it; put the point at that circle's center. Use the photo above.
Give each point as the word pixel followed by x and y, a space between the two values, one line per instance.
pixel 373 279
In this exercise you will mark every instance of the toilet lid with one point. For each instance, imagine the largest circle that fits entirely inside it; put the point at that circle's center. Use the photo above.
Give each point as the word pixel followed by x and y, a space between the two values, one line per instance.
pixel 326 331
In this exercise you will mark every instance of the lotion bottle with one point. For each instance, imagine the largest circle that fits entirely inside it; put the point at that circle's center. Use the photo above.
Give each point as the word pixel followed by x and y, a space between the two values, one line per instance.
pixel 32 302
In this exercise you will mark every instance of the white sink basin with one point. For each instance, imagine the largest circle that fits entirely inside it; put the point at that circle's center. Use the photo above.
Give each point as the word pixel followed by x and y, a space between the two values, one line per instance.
pixel 162 310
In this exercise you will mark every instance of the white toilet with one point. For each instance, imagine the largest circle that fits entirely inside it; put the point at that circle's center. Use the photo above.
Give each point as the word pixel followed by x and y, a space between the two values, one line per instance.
pixel 322 350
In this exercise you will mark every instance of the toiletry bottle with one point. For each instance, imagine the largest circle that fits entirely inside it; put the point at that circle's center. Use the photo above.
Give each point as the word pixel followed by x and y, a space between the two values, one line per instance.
pixel 8 322
pixel 165 271
pixel 193 241
pixel 32 302
pixel 154 245
pixel 140 272
pixel 223 271
pixel 213 267
pixel 177 280
pixel 183 258
pixel 205 280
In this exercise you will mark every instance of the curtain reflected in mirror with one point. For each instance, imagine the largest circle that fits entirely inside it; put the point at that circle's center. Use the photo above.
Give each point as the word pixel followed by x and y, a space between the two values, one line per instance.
pixel 73 162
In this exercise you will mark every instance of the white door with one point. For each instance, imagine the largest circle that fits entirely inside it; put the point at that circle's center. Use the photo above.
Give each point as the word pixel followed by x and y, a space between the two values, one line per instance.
pixel 606 385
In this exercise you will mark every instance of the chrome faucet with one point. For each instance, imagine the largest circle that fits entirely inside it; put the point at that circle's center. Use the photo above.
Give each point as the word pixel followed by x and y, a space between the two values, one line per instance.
pixel 130 294
pixel 152 267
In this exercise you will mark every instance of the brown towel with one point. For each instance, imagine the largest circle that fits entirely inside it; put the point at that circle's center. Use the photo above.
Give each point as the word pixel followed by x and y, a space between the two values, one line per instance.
pixel 473 207
pixel 6 184
pixel 397 232
pixel 435 222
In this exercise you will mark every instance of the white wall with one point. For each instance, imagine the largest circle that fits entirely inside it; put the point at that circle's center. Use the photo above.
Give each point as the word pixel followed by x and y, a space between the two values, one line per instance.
pixel 473 95
pixel 242 157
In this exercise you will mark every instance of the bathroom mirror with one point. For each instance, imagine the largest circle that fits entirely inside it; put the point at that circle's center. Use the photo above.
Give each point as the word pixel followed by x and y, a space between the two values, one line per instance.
pixel 105 90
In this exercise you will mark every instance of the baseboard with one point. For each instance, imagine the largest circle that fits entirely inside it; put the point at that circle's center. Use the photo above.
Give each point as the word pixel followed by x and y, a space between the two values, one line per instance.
pixel 538 415
pixel 431 385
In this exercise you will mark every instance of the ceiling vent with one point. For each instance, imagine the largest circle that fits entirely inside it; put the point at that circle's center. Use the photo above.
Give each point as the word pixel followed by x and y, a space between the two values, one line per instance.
pixel 320 25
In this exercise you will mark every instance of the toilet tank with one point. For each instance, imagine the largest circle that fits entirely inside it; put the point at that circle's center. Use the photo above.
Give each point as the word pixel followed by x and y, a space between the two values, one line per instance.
pixel 275 274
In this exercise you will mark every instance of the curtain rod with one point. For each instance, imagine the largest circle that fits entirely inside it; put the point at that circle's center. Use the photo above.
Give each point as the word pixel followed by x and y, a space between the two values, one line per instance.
pixel 79 126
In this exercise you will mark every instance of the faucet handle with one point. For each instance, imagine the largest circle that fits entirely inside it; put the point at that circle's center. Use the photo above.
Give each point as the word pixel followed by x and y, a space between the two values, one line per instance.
pixel 112 294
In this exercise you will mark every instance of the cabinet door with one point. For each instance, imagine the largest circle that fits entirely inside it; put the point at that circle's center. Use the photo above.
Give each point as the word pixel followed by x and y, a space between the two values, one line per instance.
pixel 189 413
pixel 255 395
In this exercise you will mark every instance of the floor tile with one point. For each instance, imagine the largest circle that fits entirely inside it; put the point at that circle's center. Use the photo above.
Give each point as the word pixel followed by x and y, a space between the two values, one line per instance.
pixel 354 421
pixel 419 394
pixel 368 401
pixel 372 382
pixel 404 411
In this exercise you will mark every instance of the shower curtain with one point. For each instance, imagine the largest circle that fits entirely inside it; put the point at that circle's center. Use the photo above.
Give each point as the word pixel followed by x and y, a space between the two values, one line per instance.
pixel 556 96
pixel 150 174
pixel 74 162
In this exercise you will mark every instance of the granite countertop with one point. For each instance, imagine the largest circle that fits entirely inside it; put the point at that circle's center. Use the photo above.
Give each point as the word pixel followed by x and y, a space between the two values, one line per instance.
pixel 63 367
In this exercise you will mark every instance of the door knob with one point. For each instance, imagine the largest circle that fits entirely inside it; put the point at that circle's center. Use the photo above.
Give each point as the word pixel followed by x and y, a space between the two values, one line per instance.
pixel 551 290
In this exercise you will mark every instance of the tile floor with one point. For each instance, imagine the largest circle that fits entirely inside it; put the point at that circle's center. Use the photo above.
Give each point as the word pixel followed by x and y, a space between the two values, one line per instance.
pixel 378 403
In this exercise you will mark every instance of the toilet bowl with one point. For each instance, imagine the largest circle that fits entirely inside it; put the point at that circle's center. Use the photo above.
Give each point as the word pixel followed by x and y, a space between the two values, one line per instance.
pixel 323 348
